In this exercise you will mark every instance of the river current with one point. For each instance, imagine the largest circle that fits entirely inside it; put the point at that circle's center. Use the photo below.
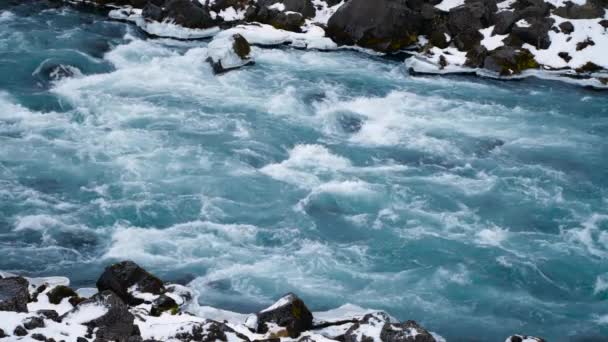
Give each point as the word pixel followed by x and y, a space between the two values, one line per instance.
pixel 477 207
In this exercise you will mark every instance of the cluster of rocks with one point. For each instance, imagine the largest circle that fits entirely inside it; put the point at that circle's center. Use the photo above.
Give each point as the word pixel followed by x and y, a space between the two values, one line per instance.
pixel 131 304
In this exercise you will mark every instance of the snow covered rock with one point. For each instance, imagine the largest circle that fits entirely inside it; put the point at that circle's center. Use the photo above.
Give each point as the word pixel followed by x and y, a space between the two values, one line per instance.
pixel 227 53
pixel 289 312
pixel 127 280
pixel 210 331
pixel 14 294
pixel 107 314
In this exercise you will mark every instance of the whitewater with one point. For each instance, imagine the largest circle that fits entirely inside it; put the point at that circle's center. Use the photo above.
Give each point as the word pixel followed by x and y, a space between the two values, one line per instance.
pixel 477 207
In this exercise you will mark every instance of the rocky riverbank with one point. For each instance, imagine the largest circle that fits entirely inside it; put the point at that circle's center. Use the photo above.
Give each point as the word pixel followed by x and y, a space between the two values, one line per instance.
pixel 129 305
pixel 503 39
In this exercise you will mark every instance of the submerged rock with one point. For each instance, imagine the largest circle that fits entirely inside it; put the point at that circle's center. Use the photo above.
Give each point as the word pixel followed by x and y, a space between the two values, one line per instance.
pixel 289 312
pixel 126 278
pixel 229 53
pixel 14 294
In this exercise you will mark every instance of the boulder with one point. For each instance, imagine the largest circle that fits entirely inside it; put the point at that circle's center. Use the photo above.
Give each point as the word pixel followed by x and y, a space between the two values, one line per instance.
pixel 476 56
pixel 189 14
pixel 58 293
pixel 304 7
pixel 2 333
pixel 383 25
pixel 210 331
pixel 408 331
pixel 525 9
pixel 115 322
pixel 504 22
pixel 465 22
pixel 535 34
pixel 590 10
pixel 49 314
pixel 289 312
pixel 125 277
pixel 153 13
pixel 227 53
pixel 31 323
pixel 363 330
pixel 20 331
pixel 507 60
pixel 566 27
pixel 276 16
pixel 14 294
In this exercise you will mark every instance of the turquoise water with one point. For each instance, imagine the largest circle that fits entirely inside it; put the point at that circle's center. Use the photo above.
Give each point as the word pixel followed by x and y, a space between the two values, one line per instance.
pixel 477 207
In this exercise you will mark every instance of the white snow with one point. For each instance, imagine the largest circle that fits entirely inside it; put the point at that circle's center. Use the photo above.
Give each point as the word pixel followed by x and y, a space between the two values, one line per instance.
pixel 489 41
pixel 522 23
pixel 279 6
pixel 266 35
pixel 85 313
pixel 279 303
pixel 447 5
pixel 583 29
pixel 231 14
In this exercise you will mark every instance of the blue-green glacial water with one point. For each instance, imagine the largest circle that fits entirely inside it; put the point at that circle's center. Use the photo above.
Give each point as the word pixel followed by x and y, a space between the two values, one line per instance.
pixel 477 207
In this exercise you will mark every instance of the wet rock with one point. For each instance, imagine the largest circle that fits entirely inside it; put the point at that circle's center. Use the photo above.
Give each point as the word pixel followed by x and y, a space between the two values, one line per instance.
pixel 289 312
pixel 507 60
pixel 122 277
pixel 524 338
pixel 58 293
pixel 566 27
pixel 188 14
pixel 383 25
pixel 210 331
pixel 589 67
pixel 163 303
pixel 20 331
pixel 115 324
pixel 49 314
pixel 33 323
pixel 14 294
pixel 229 53
pixel 409 331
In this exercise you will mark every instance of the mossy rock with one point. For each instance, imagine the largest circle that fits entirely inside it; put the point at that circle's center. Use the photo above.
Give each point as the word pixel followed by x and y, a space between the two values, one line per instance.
pixel 508 61
pixel 58 293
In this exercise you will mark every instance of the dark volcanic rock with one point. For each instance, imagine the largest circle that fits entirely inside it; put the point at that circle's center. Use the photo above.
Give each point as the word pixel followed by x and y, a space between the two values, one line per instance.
pixel 49 314
pixel 210 331
pixel 58 293
pixel 20 331
pixel 566 27
pixel 465 22
pixel 2 333
pixel 589 10
pixel 120 277
pixel 38 337
pixel 14 294
pixel 504 22
pixel 115 324
pixel 408 331
pixel 33 323
pixel 188 14
pixel 153 12
pixel 357 332
pixel 383 25
pixel 536 34
pixel 304 7
pixel 476 56
pixel 508 60
pixel 289 312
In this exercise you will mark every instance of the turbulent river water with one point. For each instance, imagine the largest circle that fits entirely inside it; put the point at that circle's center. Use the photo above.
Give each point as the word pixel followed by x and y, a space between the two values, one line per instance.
pixel 477 207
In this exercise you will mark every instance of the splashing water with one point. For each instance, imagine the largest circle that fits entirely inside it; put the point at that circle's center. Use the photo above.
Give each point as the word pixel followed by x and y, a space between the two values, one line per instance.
pixel 479 208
